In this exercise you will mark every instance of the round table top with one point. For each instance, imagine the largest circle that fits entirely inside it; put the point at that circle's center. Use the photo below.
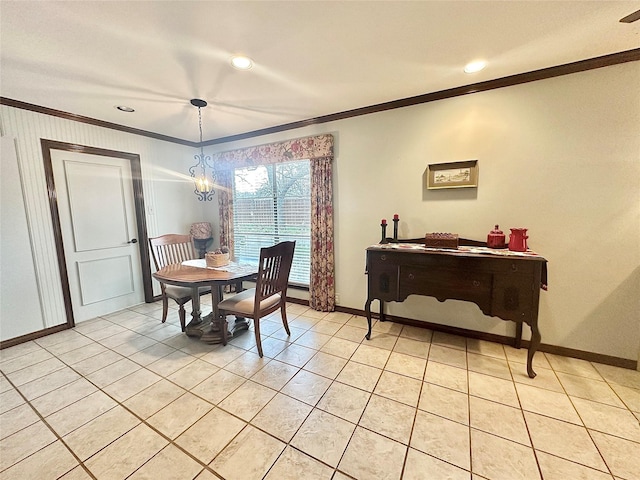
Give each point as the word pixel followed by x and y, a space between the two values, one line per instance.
pixel 193 276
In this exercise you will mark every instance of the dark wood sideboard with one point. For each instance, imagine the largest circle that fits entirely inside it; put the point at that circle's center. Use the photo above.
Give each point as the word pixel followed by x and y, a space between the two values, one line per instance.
pixel 503 285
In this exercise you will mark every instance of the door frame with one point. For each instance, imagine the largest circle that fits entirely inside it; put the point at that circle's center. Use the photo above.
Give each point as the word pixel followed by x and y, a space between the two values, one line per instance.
pixel 138 196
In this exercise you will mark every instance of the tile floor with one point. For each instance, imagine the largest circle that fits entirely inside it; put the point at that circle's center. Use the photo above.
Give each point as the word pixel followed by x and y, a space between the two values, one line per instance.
pixel 125 396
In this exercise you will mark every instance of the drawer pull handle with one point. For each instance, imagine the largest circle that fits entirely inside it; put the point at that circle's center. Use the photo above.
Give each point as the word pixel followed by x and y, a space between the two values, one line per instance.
pixel 514 267
pixel 383 257
pixel 476 283
pixel 411 276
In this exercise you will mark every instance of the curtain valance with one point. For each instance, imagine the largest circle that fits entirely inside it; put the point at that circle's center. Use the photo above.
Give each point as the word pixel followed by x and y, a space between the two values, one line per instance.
pixel 319 146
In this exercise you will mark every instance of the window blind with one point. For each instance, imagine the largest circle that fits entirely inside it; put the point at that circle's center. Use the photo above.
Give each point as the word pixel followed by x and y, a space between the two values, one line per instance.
pixel 272 204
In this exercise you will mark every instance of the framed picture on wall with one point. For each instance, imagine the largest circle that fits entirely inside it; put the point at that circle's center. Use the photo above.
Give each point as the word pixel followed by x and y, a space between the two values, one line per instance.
pixel 452 174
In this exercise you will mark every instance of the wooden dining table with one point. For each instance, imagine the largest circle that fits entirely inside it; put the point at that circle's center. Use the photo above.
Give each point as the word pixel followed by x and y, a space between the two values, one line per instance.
pixel 195 274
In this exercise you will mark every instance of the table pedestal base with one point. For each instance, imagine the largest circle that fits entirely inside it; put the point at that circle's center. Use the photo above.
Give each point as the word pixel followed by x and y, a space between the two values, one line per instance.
pixel 210 332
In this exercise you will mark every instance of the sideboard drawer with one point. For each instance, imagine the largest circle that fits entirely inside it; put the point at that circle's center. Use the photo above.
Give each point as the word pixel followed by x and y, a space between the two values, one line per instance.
pixel 444 283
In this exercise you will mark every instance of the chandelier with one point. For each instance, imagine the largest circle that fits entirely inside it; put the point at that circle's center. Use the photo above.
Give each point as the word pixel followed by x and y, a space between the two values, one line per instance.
pixel 202 171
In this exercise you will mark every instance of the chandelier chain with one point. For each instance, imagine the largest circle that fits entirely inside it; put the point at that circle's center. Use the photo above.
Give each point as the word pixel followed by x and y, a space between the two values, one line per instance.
pixel 200 126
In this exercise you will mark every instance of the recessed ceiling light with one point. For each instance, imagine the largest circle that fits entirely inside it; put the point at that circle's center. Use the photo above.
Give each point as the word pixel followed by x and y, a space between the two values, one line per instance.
pixel 124 108
pixel 241 62
pixel 475 66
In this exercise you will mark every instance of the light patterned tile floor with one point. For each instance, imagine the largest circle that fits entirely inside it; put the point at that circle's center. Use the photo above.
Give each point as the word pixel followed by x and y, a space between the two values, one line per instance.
pixel 126 397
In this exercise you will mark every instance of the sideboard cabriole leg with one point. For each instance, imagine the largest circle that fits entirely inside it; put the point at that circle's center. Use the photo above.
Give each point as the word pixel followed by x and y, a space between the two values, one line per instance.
pixel 382 317
pixel 367 309
pixel 533 347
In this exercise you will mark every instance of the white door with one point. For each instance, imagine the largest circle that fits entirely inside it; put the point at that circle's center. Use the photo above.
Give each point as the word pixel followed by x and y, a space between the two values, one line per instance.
pixel 98 223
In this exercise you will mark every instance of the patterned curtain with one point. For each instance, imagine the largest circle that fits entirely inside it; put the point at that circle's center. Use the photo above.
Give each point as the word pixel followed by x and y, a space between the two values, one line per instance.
pixel 322 294
pixel 319 151
pixel 224 181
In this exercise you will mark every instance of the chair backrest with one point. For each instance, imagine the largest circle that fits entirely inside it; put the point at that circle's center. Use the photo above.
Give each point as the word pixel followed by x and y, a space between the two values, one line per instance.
pixel 171 248
pixel 274 269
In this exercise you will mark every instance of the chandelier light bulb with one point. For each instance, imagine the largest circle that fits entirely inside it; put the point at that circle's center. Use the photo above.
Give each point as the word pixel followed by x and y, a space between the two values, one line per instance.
pixel 203 185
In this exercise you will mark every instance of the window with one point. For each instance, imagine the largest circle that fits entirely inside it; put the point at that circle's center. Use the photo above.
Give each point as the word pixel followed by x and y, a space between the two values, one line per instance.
pixel 271 204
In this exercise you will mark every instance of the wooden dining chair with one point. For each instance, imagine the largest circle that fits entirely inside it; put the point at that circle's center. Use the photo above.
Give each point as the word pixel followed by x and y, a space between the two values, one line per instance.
pixel 269 295
pixel 168 249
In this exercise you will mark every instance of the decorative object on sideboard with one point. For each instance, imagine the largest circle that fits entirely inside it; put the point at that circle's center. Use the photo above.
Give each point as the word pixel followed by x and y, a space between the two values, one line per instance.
pixel 518 240
pixel 452 174
pixel 383 224
pixel 202 234
pixel 496 238
pixel 441 240
pixel 202 171
pixel 219 258
pixel 396 219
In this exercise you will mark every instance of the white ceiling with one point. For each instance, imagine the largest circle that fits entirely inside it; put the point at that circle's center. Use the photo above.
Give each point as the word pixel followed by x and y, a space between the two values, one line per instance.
pixel 312 58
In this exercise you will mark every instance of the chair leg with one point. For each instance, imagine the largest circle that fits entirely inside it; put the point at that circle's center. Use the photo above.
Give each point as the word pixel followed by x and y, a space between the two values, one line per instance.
pixel 182 314
pixel 222 323
pixel 283 314
pixel 165 308
pixel 256 327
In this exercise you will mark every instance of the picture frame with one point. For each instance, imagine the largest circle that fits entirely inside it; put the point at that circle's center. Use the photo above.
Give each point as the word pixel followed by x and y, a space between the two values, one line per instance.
pixel 462 174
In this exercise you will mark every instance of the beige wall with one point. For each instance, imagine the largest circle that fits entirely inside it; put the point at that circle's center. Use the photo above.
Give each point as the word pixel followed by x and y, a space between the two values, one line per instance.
pixel 560 157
